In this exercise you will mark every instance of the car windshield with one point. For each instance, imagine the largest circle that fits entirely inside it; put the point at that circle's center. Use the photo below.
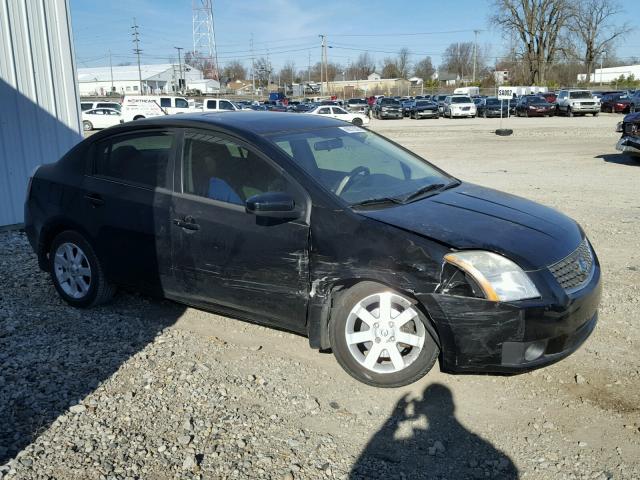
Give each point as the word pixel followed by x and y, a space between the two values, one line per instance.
pixel 583 94
pixel 389 101
pixel 492 101
pixel 461 100
pixel 537 100
pixel 422 103
pixel 356 101
pixel 358 165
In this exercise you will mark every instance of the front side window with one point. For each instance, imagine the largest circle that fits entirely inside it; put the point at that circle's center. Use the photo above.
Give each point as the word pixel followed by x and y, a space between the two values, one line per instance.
pixel 86 106
pixel 324 111
pixel 222 170
pixel 140 158
pixel 339 111
pixel 358 165
pixel 181 103
pixel 226 105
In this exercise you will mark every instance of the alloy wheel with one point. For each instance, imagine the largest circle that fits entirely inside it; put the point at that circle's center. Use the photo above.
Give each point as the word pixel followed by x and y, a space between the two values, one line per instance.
pixel 384 333
pixel 72 270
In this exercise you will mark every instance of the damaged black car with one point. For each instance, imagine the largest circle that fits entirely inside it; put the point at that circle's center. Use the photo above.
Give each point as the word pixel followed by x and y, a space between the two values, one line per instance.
pixel 322 228
pixel 630 140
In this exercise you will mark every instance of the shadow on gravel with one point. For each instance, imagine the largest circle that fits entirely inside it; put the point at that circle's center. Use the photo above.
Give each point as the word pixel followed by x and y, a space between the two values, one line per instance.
pixel 52 355
pixel 405 448
pixel 620 159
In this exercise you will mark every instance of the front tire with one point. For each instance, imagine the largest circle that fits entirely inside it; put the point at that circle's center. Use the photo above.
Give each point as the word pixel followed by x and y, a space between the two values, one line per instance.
pixel 76 271
pixel 380 337
pixel 357 122
pixel 87 126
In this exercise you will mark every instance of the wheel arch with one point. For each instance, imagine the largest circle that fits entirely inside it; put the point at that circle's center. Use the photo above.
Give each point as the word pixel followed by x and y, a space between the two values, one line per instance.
pixel 323 304
pixel 50 230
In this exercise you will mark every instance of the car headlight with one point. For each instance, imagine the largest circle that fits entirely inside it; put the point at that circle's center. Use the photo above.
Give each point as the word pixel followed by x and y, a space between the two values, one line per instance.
pixel 499 278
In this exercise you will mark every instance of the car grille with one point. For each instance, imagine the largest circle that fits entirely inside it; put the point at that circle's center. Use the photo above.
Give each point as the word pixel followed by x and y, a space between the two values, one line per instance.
pixel 587 103
pixel 574 271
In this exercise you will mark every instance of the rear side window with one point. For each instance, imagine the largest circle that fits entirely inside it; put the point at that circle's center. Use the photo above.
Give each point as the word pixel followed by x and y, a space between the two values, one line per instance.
pixel 140 159
pixel 211 104
pixel 86 106
pixel 165 102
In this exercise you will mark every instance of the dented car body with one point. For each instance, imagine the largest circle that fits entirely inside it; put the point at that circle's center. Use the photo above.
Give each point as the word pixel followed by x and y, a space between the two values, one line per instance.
pixel 630 130
pixel 502 284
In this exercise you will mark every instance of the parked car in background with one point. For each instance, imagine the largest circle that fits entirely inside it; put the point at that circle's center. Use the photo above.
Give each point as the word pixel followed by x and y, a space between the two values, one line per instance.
pixel 424 109
pixel 387 108
pixel 329 230
pixel 534 106
pixel 439 99
pixel 357 105
pixel 219 105
pixel 407 106
pixel 100 118
pixel 630 140
pixel 550 97
pixel 101 104
pixel 492 107
pixel 304 107
pixel 615 103
pixel 634 101
pixel 339 113
pixel 459 106
pixel 577 102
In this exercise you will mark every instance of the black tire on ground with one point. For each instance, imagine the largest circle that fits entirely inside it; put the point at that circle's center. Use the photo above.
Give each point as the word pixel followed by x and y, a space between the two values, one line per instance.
pixel 87 126
pixel 357 121
pixel 100 290
pixel 339 314
pixel 569 112
pixel 595 114
pixel 484 114
pixel 504 132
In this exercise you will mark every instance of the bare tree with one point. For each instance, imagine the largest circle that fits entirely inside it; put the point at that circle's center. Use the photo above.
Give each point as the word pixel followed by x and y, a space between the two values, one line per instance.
pixel 424 69
pixel 458 58
pixel 389 68
pixel 288 72
pixel 364 66
pixel 263 69
pixel 592 28
pixel 537 25
pixel 402 62
pixel 234 71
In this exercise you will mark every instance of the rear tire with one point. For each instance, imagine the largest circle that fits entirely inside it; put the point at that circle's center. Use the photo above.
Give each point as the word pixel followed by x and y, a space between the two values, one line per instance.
pixel 357 122
pixel 370 352
pixel 76 271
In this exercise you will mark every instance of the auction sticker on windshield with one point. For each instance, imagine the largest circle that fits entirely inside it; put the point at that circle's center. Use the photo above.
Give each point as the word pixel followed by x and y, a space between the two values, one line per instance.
pixel 352 129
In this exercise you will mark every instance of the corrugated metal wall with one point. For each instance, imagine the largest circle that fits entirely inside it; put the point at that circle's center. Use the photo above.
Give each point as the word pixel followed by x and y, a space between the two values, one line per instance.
pixel 39 104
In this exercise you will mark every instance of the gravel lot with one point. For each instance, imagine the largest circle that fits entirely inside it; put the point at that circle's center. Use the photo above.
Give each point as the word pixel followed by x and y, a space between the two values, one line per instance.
pixel 148 389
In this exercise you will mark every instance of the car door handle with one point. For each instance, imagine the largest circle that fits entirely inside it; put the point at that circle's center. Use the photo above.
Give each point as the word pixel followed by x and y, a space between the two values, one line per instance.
pixel 94 199
pixel 188 223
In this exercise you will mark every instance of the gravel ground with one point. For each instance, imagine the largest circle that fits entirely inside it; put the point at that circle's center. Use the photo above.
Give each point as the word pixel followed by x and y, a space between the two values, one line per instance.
pixel 147 389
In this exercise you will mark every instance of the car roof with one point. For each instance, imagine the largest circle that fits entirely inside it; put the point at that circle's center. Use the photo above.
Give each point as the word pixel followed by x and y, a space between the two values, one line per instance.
pixel 245 121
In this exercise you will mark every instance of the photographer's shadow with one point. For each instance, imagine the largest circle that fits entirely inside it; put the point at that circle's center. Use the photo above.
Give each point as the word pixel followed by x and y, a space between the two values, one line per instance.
pixel 423 439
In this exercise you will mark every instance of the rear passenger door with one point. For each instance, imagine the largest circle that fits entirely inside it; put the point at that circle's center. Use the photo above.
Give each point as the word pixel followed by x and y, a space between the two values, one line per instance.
pixel 126 204
pixel 226 257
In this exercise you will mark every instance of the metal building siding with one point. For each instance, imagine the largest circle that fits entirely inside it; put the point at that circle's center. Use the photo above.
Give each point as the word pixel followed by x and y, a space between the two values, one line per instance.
pixel 39 105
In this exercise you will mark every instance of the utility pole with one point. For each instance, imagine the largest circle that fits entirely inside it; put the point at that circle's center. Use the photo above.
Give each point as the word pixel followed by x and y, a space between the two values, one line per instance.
pixel 309 69
pixel 179 69
pixel 475 53
pixel 111 70
pixel 253 66
pixel 322 56
pixel 137 51
pixel 604 54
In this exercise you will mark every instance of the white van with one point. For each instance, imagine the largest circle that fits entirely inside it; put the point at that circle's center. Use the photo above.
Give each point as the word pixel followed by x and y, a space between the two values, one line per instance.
pixel 85 105
pixel 219 105
pixel 470 91
pixel 136 107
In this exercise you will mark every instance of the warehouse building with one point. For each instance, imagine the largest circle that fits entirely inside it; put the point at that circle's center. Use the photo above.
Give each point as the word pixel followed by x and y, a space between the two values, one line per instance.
pixel 611 74
pixel 125 80
pixel 40 114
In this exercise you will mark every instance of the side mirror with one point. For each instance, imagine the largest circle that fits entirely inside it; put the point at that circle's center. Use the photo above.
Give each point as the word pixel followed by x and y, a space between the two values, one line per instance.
pixel 273 205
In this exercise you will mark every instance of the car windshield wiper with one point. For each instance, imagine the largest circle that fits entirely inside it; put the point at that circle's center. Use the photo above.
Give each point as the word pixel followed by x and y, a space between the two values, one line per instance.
pixel 434 187
pixel 376 201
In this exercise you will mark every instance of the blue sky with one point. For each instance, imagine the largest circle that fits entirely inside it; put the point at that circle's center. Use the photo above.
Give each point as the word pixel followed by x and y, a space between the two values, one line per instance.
pixel 289 29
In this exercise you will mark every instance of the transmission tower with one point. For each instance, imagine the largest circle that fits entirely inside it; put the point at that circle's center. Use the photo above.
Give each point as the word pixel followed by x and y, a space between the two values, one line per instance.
pixel 204 36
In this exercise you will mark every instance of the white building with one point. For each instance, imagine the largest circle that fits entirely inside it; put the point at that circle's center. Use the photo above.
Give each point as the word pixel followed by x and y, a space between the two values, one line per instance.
pixel 611 74
pixel 162 78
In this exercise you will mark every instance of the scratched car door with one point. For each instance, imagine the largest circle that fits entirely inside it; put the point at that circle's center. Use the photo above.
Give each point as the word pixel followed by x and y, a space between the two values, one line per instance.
pixel 223 255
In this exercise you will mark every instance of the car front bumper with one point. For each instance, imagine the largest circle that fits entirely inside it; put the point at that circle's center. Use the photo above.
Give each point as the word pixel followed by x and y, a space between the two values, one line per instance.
pixel 585 108
pixel 478 335
pixel 629 144
pixel 463 113
pixel 391 114
pixel 427 113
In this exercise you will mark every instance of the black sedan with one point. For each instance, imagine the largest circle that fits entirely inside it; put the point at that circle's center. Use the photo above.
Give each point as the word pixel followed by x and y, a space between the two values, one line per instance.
pixel 492 107
pixel 424 109
pixel 534 106
pixel 320 227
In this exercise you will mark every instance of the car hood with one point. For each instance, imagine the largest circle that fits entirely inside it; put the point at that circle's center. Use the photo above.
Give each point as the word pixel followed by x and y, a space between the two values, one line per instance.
pixel 474 217
pixel 632 117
